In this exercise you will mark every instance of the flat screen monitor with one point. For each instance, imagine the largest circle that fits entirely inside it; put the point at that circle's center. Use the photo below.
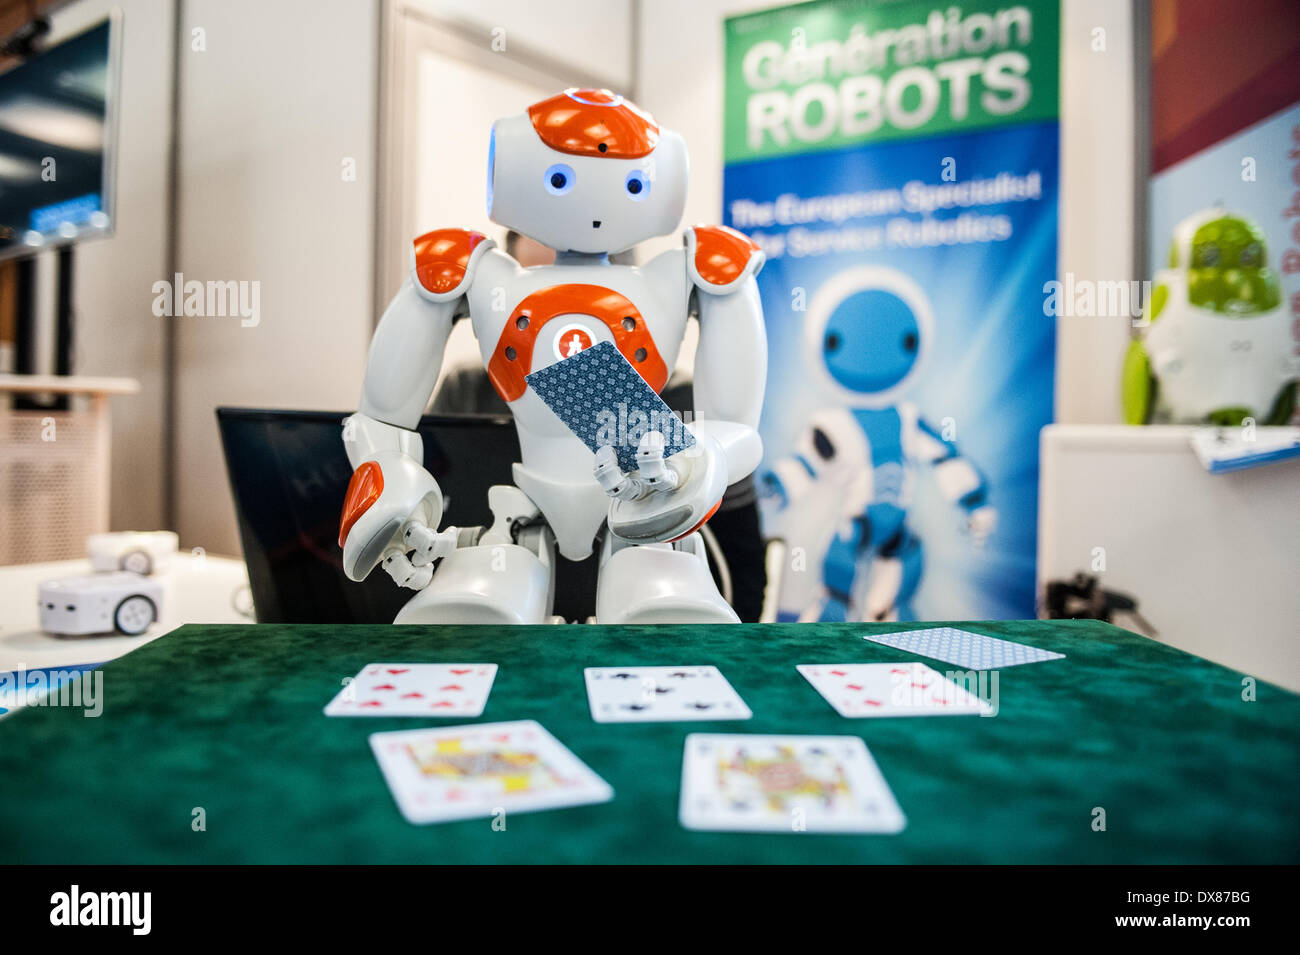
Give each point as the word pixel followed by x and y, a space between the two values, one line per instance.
pixel 57 133
pixel 289 473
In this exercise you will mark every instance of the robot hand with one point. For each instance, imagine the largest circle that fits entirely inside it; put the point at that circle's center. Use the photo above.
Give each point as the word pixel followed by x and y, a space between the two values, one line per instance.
pixel 653 473
pixel 413 567
pixel 390 494
pixel 664 499
pixel 980 523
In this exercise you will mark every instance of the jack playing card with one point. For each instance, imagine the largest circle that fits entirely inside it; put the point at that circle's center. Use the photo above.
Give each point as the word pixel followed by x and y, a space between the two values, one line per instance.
pixel 662 694
pixel 416 689
pixel 485 769
pixel 745 783
pixel 970 651
pixel 891 689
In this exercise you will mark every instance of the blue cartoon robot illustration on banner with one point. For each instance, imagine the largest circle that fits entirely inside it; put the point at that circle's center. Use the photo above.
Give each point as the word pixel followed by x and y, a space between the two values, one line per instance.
pixel 844 491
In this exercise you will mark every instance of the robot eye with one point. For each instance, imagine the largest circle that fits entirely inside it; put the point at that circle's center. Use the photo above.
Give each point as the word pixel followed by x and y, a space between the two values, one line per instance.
pixel 909 342
pixel 1250 256
pixel 637 185
pixel 1207 256
pixel 558 179
pixel 832 342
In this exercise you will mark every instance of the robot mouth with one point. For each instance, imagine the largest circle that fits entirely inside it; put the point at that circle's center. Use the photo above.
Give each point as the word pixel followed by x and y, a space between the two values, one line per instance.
pixel 595 223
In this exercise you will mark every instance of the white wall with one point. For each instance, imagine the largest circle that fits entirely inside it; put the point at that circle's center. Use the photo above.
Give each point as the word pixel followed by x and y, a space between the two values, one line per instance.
pixel 1098 178
pixel 679 79
pixel 595 36
pixel 282 94
pixel 116 331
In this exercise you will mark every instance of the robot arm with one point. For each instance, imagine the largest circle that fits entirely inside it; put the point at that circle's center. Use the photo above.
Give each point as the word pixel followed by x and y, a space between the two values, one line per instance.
pixel 731 362
pixel 959 480
pixel 666 500
pixel 393 505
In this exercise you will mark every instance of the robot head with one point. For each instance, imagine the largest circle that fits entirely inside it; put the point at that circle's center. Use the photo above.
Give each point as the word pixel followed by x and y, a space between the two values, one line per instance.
pixel 867 331
pixel 1226 260
pixel 586 171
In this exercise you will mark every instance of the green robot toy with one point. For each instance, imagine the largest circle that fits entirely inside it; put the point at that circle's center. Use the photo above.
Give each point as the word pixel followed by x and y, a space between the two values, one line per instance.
pixel 1217 348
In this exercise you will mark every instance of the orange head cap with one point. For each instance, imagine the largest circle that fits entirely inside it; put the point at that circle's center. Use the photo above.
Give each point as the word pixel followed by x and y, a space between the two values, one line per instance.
pixel 586 171
pixel 594 123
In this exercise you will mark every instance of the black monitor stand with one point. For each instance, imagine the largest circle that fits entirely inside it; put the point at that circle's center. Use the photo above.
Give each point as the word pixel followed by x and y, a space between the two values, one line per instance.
pixel 26 323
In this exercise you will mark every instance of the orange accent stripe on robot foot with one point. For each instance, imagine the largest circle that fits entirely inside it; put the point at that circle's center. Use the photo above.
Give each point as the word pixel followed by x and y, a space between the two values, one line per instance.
pixel 513 357
pixel 713 510
pixel 442 258
pixel 363 490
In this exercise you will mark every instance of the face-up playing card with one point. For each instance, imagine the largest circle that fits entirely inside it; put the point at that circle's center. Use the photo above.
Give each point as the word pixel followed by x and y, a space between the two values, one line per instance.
pixel 970 651
pixel 464 772
pixel 891 689
pixel 746 783
pixel 601 398
pixel 416 689
pixel 662 694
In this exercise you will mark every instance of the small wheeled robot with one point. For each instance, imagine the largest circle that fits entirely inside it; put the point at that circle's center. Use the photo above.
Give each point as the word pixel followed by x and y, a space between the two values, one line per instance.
pixel 100 603
pixel 140 552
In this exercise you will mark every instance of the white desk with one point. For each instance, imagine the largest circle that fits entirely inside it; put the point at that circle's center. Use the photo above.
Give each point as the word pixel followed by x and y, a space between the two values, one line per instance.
pixel 1211 558
pixel 195 590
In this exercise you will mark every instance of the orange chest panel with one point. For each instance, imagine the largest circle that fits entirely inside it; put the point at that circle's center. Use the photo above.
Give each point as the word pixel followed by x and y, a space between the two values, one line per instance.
pixel 512 358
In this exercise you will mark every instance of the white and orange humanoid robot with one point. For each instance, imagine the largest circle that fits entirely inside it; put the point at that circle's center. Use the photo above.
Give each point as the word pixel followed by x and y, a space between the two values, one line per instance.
pixel 589 174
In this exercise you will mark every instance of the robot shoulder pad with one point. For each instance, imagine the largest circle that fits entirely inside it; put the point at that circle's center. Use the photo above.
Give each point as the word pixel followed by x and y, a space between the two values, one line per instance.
pixel 718 259
pixel 443 261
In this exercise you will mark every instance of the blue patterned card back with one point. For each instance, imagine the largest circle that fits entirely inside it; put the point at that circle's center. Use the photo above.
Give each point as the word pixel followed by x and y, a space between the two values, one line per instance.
pixel 970 651
pixel 603 400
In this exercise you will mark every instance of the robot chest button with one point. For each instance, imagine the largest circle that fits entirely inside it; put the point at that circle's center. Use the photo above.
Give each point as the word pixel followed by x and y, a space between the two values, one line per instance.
pixel 512 359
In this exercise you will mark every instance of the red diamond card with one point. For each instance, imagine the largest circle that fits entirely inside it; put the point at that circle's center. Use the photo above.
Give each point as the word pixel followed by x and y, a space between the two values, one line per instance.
pixel 416 689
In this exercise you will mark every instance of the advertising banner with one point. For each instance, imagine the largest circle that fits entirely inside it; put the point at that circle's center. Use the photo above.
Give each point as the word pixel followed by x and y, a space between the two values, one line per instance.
pixel 898 164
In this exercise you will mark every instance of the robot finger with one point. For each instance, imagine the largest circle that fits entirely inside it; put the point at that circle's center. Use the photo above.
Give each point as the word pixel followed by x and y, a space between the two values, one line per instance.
pixel 654 474
pixel 617 484
pixel 404 573
pixel 419 540
pixel 427 545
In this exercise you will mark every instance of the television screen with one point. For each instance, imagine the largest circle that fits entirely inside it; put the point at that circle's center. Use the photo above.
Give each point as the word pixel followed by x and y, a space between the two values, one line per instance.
pixel 56 137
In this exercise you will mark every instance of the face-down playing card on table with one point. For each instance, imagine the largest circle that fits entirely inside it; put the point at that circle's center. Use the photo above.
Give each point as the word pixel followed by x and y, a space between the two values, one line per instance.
pixel 891 689
pixel 662 694
pixel 970 651
pixel 752 783
pixel 465 772
pixel 416 689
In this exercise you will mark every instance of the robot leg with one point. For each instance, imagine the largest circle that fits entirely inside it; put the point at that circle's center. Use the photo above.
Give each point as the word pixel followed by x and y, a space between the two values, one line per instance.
pixel 839 570
pixel 505 575
pixel 658 583
pixel 885 592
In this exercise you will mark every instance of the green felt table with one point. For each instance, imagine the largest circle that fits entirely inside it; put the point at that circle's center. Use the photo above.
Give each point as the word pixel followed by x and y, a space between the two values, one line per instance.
pixel 229 719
